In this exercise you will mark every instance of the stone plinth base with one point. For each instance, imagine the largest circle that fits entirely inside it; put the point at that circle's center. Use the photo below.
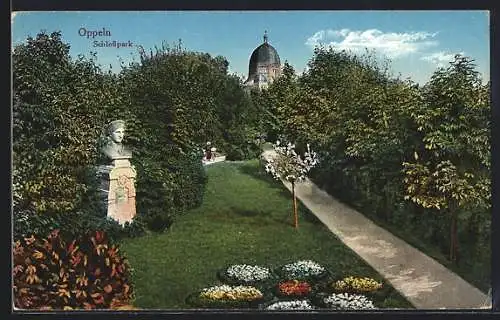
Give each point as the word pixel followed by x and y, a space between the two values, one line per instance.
pixel 118 190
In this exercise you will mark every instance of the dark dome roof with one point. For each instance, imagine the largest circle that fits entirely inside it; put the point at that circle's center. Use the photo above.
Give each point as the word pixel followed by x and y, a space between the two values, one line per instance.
pixel 265 54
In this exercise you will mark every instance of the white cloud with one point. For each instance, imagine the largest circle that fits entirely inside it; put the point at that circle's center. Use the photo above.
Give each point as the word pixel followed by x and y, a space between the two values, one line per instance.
pixel 391 44
pixel 12 16
pixel 440 58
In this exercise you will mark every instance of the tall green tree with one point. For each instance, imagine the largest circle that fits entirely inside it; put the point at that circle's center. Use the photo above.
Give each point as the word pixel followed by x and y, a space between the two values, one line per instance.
pixel 351 108
pixel 453 172
pixel 177 100
pixel 57 118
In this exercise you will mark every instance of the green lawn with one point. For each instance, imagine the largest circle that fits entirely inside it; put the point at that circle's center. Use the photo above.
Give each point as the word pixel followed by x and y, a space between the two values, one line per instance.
pixel 246 217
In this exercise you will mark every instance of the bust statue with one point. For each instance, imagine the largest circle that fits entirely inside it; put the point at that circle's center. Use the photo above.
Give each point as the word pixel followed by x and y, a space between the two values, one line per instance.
pixel 113 148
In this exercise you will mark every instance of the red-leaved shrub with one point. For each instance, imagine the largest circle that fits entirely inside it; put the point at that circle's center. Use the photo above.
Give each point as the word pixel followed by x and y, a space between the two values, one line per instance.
pixel 86 273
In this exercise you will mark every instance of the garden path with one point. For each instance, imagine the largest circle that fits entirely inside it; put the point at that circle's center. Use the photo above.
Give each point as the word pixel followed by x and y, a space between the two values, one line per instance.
pixel 424 282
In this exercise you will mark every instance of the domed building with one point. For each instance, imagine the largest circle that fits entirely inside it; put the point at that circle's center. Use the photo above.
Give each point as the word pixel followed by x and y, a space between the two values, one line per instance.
pixel 264 65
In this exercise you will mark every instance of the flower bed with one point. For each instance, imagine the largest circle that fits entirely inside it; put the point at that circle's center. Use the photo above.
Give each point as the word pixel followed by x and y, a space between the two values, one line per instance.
pixel 290 305
pixel 302 270
pixel 293 289
pixel 356 285
pixel 225 296
pixel 369 287
pixel 346 301
pixel 302 285
pixel 245 274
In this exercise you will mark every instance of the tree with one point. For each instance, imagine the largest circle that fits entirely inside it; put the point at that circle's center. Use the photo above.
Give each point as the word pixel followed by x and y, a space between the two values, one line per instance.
pixel 355 113
pixel 58 114
pixel 287 165
pixel 453 169
pixel 177 100
pixel 278 100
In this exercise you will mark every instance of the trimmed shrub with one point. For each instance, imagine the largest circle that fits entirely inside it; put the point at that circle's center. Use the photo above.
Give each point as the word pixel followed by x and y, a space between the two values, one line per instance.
pixel 73 225
pixel 168 186
pixel 136 228
pixel 157 221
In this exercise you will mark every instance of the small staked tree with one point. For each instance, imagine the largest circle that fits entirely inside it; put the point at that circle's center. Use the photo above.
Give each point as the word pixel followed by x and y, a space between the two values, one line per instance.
pixel 286 164
pixel 446 189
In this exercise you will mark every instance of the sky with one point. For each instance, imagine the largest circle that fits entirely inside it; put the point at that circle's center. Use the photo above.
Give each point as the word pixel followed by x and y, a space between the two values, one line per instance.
pixel 415 42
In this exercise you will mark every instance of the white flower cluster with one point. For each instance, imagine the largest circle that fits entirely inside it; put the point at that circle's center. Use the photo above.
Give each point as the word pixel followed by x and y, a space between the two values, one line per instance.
pixel 291 305
pixel 228 288
pixel 288 165
pixel 303 268
pixel 346 301
pixel 248 273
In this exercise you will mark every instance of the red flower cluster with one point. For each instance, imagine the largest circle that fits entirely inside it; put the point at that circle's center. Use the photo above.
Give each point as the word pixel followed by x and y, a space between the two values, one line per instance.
pixel 295 288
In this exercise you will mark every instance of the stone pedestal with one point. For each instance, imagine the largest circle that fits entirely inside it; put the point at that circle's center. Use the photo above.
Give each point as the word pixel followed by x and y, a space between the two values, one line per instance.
pixel 118 190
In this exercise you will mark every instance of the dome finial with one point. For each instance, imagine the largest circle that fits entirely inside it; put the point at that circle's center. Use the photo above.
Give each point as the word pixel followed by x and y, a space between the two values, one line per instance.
pixel 265 36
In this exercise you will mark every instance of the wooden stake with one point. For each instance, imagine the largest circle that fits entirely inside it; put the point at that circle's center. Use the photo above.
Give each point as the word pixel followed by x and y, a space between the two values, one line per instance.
pixel 295 214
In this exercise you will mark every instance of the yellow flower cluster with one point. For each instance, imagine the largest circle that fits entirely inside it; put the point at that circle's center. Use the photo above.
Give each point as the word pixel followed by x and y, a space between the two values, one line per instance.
pixel 357 284
pixel 244 293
